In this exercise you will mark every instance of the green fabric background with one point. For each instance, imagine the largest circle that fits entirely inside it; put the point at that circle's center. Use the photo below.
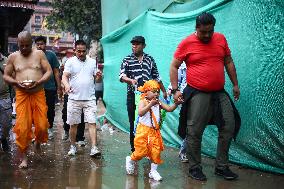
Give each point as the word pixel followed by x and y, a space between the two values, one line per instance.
pixel 254 30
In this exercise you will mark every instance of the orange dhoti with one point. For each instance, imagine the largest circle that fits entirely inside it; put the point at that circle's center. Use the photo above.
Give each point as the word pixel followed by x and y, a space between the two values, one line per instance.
pixel 148 142
pixel 31 109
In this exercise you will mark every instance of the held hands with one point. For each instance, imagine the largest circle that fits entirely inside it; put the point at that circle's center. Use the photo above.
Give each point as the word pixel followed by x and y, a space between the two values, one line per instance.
pixel 236 92
pixel 178 99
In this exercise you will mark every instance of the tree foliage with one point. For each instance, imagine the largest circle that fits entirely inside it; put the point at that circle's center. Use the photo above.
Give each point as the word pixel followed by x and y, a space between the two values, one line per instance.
pixel 82 17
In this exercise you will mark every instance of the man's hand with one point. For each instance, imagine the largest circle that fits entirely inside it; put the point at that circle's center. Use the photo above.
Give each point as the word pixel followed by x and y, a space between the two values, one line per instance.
pixel 67 89
pixel 133 82
pixel 99 75
pixel 236 92
pixel 179 101
pixel 178 97
pixel 59 93
pixel 22 85
pixel 27 84
pixel 34 84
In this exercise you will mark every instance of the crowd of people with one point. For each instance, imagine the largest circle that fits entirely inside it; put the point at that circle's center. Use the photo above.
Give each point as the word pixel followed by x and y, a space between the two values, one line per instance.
pixel 197 84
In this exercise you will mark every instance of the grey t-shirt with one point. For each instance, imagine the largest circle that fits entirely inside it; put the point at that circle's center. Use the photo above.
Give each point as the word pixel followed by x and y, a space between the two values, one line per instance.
pixel 4 88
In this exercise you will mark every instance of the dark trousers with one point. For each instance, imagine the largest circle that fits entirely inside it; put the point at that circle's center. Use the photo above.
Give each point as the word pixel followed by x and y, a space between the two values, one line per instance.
pixel 50 96
pixel 200 111
pixel 81 126
pixel 130 103
pixel 100 94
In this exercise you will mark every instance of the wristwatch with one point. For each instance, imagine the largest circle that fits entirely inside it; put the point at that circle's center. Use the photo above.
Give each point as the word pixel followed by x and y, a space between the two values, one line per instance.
pixel 173 91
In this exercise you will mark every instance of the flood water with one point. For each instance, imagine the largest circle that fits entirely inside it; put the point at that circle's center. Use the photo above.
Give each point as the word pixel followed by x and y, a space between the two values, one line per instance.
pixel 55 169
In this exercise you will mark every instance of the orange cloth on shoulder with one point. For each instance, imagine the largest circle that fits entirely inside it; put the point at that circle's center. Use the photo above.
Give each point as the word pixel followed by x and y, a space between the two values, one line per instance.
pixel 31 110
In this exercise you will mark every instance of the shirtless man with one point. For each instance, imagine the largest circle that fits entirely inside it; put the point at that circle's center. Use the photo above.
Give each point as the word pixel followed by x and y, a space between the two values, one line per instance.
pixel 27 70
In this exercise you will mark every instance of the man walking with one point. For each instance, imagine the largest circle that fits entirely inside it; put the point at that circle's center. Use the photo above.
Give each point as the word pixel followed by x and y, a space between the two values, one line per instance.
pixel 135 69
pixel 27 69
pixel 5 107
pixel 206 53
pixel 52 87
pixel 79 82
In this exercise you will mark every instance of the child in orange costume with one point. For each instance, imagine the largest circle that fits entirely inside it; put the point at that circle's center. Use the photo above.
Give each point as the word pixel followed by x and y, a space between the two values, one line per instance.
pixel 148 141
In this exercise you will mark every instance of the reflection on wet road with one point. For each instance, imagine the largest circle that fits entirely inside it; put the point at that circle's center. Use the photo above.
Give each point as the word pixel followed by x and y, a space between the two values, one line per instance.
pixel 54 169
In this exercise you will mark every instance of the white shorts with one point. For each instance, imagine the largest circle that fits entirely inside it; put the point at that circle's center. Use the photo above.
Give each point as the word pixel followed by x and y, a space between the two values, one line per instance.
pixel 75 108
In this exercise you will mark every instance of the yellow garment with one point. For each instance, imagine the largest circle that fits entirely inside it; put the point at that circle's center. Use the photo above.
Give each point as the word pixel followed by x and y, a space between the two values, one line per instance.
pixel 147 142
pixel 31 109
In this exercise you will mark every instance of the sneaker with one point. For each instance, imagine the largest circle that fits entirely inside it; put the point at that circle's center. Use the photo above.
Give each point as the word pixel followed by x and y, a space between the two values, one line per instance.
pixel 50 134
pixel 65 135
pixel 183 157
pixel 154 184
pixel 104 127
pixel 155 175
pixel 111 131
pixel 95 152
pixel 72 151
pixel 197 174
pixel 130 166
pixel 81 143
pixel 226 173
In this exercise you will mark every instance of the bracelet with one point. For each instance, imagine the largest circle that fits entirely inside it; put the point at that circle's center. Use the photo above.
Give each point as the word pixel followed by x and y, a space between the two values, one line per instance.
pixel 174 91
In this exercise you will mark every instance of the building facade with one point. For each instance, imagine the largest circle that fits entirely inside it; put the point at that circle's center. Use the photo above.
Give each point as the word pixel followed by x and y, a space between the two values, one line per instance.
pixel 56 41
pixel 14 15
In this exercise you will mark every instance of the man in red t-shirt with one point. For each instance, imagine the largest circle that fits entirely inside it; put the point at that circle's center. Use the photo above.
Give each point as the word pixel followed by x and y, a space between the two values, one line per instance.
pixel 206 53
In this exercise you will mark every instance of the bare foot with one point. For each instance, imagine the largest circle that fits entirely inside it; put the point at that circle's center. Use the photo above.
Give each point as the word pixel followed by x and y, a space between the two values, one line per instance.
pixel 24 163
pixel 37 148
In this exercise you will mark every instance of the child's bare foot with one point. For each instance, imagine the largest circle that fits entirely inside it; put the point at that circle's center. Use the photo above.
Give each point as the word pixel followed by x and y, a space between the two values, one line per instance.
pixel 24 163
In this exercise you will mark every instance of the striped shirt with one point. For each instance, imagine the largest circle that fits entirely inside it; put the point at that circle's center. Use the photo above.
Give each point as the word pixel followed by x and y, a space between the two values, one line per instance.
pixel 142 71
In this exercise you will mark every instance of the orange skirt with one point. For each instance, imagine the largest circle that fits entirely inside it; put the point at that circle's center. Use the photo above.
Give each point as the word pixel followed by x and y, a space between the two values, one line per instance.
pixel 31 110
pixel 148 142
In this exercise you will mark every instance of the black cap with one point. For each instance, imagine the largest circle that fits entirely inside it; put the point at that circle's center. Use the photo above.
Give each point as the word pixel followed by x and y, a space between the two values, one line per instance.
pixel 138 39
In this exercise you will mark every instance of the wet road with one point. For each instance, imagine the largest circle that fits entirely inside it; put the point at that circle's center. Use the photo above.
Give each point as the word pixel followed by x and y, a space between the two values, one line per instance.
pixel 54 169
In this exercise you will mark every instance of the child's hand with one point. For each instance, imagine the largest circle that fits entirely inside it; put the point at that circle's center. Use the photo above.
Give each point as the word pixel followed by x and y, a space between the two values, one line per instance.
pixel 179 101
pixel 154 101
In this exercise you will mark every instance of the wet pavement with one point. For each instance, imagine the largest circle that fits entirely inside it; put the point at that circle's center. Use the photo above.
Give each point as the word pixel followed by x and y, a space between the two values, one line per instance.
pixel 54 169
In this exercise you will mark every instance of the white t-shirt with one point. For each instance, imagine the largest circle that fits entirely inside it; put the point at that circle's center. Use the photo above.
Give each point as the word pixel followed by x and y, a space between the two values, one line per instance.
pixel 82 76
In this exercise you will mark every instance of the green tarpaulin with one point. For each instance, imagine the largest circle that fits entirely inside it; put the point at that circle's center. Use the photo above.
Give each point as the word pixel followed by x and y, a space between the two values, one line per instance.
pixel 254 30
